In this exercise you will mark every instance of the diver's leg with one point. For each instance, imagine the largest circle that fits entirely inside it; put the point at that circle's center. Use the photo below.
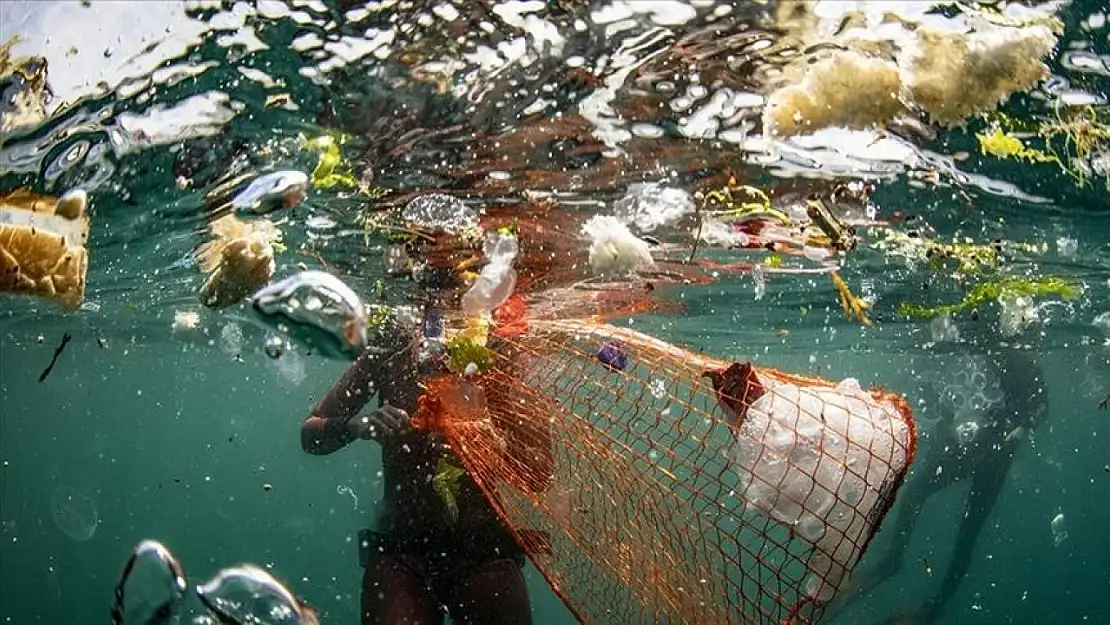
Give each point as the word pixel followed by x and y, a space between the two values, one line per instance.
pixel 986 486
pixel 492 593
pixel 394 593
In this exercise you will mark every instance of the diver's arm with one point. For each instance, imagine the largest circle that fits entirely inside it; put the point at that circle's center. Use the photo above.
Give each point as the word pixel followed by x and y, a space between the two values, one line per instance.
pixel 328 428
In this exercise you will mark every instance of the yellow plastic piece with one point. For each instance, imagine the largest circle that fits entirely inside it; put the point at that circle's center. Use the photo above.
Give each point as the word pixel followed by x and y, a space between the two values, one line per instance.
pixel 329 171
pixel 851 304
pixel 42 246
pixel 1005 145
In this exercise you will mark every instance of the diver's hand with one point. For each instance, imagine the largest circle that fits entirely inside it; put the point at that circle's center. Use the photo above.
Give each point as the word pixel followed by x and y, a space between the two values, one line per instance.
pixel 385 423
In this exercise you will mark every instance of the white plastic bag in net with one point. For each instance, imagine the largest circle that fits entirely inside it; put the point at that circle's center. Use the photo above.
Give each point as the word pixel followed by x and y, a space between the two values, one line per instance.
pixel 821 461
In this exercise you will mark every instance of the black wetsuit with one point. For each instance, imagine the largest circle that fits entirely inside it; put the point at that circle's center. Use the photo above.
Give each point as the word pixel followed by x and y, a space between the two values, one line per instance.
pixel 418 558
pixel 983 461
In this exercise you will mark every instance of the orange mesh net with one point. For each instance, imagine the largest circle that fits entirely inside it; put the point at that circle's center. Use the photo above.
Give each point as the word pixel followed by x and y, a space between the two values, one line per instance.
pixel 667 486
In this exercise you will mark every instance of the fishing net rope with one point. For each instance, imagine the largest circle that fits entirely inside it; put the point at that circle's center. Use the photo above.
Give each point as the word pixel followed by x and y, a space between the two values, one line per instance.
pixel 667 486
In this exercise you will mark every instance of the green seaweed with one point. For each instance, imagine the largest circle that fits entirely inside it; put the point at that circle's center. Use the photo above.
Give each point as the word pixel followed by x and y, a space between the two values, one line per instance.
pixel 462 351
pixel 969 257
pixel 446 484
pixel 985 293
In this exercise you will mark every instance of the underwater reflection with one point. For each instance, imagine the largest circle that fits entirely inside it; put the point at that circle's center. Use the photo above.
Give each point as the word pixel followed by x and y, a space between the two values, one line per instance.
pixel 74 513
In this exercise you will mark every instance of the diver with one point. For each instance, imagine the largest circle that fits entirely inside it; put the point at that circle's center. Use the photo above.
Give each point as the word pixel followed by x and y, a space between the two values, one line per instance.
pixel 976 451
pixel 419 557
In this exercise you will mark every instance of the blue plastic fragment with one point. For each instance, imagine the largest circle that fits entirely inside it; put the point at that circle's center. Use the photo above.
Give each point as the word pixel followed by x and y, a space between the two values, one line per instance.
pixel 612 355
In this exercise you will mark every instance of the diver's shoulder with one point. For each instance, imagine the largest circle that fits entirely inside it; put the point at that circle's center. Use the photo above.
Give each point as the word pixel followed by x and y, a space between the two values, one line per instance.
pixel 392 327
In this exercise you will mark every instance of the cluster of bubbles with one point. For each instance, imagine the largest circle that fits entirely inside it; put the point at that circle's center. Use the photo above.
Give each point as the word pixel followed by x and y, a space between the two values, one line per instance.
pixel 970 392
pixel 152 590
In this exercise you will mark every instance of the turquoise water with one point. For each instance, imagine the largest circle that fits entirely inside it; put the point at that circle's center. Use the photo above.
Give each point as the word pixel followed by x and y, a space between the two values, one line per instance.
pixel 187 432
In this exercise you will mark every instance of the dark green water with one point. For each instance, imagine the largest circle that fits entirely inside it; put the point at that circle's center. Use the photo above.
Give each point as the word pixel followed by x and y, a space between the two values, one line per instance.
pixel 190 435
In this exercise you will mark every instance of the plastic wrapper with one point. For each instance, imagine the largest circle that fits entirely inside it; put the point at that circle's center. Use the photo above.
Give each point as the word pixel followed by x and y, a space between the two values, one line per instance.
pixel 43 246
pixel 238 260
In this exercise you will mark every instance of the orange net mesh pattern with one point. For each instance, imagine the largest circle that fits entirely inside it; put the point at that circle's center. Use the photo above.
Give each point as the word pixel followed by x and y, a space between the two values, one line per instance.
pixel 671 487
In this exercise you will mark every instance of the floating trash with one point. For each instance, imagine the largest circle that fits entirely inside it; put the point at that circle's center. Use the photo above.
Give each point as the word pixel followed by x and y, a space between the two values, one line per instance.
pixel 43 249
pixel 1059 529
pixel 274 346
pixel 439 211
pixel 317 310
pixel 943 329
pixel 647 207
pixel 74 513
pixel 291 367
pixel 238 259
pixel 274 191
pixel 612 356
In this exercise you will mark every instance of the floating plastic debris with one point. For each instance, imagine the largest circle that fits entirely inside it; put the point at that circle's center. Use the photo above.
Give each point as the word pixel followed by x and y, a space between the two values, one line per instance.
pixel 185 320
pixel 274 191
pixel 614 250
pixel 612 356
pixel 1018 312
pixel 1059 529
pixel 74 513
pixel 647 207
pixel 291 366
pixel 42 246
pixel 497 279
pixel 966 432
pixel 439 211
pixel 274 346
pixel 943 329
pixel 1102 322
pixel 231 339
pixel 152 587
pixel 760 282
pixel 238 259
pixel 317 310
pixel 1067 247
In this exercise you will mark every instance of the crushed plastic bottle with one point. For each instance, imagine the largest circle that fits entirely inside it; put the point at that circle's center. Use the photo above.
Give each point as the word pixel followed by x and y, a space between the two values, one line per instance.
pixel 1059 529
pixel 496 281
pixel 270 192
pixel 647 207
pixel 760 281
pixel 439 211
pixel 315 309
